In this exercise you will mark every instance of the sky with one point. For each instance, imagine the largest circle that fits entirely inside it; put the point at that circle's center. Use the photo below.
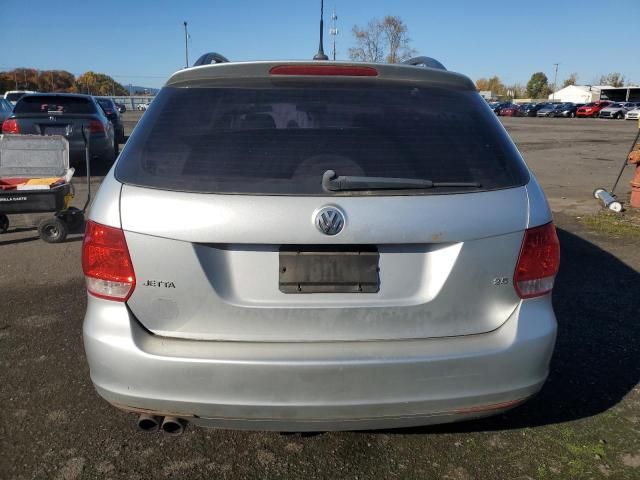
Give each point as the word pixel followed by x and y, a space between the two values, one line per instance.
pixel 142 42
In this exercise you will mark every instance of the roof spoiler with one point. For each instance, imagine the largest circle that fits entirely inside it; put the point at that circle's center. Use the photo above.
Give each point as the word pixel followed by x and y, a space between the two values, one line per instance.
pixel 211 58
pixel 425 61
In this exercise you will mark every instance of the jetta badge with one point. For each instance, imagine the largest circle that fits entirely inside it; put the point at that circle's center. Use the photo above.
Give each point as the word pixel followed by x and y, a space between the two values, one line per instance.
pixel 329 220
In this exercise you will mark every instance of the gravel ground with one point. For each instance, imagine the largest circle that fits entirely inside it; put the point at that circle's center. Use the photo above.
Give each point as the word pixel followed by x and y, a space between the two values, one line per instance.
pixel 584 424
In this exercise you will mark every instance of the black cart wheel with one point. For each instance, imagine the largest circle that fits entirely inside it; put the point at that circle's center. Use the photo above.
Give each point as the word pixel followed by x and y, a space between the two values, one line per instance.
pixel 53 230
pixel 4 223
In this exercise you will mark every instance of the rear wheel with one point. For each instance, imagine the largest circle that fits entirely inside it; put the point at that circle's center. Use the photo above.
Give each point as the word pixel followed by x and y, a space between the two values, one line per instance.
pixel 619 115
pixel 4 223
pixel 53 230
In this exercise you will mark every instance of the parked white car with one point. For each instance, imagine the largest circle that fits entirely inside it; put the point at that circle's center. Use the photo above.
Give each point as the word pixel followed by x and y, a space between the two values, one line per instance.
pixel 142 106
pixel 633 114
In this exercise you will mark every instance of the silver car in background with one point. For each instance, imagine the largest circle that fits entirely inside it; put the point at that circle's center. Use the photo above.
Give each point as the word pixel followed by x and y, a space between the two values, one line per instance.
pixel 617 110
pixel 315 246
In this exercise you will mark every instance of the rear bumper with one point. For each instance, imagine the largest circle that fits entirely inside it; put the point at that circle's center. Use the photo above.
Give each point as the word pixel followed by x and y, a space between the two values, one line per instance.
pixel 319 386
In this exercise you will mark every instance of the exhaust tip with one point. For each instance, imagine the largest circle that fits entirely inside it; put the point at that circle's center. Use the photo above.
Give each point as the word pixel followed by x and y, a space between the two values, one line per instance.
pixel 148 423
pixel 172 426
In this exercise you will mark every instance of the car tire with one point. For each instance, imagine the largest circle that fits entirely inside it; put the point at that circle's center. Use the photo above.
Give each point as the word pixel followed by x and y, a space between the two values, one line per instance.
pixel 53 230
pixel 620 116
pixel 4 223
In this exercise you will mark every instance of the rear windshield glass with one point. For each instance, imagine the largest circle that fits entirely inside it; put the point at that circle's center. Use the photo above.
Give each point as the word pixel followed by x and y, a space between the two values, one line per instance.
pixel 54 104
pixel 280 139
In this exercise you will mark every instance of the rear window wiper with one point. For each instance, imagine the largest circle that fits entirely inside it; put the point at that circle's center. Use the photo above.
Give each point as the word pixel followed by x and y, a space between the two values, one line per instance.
pixel 333 183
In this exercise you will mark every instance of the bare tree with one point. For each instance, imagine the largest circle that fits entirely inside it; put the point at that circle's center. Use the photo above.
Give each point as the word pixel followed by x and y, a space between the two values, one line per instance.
pixel 385 40
pixel 369 43
pixel 614 79
pixel 396 33
pixel 572 80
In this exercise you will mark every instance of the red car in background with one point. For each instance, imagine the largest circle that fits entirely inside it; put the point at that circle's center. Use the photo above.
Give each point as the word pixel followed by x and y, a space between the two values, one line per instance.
pixel 510 110
pixel 592 109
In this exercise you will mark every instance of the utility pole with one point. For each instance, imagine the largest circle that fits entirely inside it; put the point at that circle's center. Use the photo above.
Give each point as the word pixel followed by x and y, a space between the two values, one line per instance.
pixel 15 78
pixel 334 31
pixel 51 77
pixel 186 45
pixel 555 77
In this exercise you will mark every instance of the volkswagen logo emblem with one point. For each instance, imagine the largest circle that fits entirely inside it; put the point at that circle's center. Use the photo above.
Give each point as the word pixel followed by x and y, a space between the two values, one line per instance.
pixel 329 220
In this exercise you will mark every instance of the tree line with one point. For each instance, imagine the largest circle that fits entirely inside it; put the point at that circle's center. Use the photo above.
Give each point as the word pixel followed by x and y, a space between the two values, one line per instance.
pixel 60 81
pixel 538 85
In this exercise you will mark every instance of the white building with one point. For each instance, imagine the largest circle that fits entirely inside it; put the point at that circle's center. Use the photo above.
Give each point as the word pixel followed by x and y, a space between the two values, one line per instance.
pixel 488 95
pixel 578 93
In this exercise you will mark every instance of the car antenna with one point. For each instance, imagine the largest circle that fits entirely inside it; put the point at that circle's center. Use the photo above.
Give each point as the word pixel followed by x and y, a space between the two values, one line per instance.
pixel 321 55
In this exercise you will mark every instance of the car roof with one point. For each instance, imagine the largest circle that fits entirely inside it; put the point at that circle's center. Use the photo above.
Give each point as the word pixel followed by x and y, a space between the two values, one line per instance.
pixel 206 74
pixel 58 94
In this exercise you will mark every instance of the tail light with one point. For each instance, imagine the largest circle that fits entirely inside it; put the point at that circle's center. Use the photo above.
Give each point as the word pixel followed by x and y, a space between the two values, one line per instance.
pixel 106 263
pixel 336 70
pixel 10 126
pixel 96 126
pixel 538 262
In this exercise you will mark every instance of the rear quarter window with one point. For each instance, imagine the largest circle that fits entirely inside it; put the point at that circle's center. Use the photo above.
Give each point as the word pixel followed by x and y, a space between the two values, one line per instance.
pixel 267 138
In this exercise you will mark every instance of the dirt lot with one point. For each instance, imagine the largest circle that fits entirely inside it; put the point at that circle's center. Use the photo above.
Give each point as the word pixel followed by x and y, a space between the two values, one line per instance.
pixel 584 424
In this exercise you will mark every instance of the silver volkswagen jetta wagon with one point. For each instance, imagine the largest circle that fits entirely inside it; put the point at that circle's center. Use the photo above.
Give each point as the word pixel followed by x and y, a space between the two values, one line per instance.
pixel 301 246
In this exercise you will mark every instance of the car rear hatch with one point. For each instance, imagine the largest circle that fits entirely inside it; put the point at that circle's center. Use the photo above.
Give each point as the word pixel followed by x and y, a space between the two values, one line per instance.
pixel 222 203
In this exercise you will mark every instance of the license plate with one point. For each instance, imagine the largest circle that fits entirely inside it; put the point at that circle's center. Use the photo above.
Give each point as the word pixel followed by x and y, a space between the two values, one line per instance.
pixel 329 270
pixel 55 130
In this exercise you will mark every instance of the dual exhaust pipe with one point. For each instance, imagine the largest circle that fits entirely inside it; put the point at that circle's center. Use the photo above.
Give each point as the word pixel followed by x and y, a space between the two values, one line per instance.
pixel 169 425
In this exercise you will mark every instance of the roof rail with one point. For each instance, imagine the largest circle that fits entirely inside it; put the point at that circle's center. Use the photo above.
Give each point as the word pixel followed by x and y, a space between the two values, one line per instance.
pixel 210 58
pixel 426 61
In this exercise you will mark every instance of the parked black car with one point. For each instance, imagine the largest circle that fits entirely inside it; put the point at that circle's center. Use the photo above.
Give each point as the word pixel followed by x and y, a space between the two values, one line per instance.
pixel 121 107
pixel 65 114
pixel 112 112
pixel 567 110
pixel 531 110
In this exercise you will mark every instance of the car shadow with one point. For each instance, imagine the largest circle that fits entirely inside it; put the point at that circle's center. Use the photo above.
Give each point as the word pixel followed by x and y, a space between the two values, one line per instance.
pixel 595 363
pixel 36 238
pixel 73 232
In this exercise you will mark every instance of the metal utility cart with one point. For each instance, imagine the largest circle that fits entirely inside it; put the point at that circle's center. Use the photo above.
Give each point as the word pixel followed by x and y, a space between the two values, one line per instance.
pixel 34 178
